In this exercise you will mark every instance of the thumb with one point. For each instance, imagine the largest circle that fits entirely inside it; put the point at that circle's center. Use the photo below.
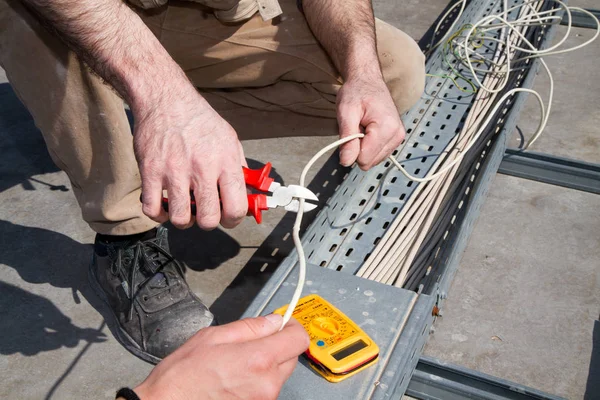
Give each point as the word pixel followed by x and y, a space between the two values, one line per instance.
pixel 349 121
pixel 246 329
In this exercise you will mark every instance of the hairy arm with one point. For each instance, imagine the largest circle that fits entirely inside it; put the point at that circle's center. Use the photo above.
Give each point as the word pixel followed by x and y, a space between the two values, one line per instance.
pixel 116 44
pixel 180 142
pixel 346 29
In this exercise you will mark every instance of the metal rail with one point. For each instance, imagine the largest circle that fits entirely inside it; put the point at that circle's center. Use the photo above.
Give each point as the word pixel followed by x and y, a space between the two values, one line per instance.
pixel 436 380
pixel 572 174
pixel 581 20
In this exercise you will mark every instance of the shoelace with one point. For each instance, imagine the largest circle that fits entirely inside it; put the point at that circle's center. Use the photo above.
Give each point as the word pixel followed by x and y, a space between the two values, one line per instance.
pixel 154 258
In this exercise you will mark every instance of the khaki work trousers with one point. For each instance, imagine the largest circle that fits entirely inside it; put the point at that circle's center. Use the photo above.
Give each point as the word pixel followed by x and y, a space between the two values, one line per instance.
pixel 267 79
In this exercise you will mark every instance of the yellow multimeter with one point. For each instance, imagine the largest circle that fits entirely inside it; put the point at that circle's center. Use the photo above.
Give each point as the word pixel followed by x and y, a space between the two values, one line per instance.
pixel 338 347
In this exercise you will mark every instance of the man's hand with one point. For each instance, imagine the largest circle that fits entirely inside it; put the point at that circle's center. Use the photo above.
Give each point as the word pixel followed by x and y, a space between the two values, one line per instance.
pixel 366 106
pixel 181 143
pixel 247 359
pixel 185 145
pixel 346 29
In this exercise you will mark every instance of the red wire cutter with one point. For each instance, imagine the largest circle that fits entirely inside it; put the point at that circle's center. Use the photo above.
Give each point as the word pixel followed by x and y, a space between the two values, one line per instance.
pixel 282 196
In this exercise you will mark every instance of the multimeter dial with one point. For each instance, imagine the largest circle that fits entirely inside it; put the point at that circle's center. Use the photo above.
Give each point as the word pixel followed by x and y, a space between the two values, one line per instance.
pixel 327 326
pixel 324 326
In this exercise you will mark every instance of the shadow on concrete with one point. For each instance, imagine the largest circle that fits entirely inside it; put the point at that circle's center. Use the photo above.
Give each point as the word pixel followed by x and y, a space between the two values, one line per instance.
pixel 592 389
pixel 22 147
pixel 239 294
pixel 30 323
pixel 201 250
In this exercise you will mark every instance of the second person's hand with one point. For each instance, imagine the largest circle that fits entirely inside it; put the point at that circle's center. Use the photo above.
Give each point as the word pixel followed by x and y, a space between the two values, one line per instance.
pixel 182 144
pixel 248 359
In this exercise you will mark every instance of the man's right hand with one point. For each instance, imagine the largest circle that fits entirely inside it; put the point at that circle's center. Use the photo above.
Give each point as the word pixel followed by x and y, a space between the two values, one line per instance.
pixel 183 145
pixel 247 359
pixel 180 142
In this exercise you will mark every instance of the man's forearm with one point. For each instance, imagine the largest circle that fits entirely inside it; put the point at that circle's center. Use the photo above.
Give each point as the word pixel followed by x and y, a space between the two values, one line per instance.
pixel 117 45
pixel 346 29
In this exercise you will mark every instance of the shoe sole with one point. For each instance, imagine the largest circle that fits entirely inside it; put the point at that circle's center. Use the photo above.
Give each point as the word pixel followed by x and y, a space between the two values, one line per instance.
pixel 120 334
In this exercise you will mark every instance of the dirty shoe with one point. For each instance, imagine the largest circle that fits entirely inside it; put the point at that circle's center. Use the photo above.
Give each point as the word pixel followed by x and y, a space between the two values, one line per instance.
pixel 154 309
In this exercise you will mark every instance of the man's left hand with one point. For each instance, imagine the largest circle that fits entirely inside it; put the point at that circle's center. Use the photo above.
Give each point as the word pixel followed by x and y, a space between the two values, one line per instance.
pixel 365 105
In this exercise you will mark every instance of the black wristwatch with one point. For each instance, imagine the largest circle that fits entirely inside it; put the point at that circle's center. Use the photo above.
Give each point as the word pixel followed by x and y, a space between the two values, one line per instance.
pixel 127 394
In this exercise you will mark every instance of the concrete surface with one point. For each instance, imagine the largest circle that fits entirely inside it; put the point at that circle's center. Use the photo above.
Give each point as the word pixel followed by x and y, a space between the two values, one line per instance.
pixel 572 129
pixel 526 296
pixel 537 290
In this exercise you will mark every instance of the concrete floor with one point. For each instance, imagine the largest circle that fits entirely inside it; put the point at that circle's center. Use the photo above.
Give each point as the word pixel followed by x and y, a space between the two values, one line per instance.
pixel 522 305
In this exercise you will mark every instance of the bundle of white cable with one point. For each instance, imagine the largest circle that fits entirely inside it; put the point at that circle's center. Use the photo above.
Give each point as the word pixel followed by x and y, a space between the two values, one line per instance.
pixel 496 79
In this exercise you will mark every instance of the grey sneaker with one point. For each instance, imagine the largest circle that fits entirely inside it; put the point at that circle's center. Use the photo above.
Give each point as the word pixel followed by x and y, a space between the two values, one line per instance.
pixel 154 310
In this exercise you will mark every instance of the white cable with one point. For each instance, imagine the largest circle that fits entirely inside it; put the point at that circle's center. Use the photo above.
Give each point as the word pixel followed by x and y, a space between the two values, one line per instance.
pixel 579 45
pixel 298 222
pixel 462 3
pixel 299 215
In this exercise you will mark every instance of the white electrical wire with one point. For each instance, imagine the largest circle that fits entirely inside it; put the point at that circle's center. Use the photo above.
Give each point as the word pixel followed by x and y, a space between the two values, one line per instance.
pixel 298 222
pixel 532 17
pixel 462 4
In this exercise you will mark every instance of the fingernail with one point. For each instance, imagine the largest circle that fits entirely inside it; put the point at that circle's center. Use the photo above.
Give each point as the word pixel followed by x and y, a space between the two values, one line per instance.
pixel 275 319
pixel 343 154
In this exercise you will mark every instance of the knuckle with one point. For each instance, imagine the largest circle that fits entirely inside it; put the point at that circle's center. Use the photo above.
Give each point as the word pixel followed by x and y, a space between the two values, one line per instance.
pixel 261 362
pixel 152 212
pixel 208 222
pixel 237 212
pixel 179 222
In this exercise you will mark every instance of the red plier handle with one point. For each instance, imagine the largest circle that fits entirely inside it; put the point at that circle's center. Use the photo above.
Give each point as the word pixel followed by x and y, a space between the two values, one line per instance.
pixel 258 179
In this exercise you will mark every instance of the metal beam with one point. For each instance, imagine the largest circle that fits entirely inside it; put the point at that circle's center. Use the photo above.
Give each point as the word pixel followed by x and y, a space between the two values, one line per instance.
pixel 436 380
pixel 555 170
pixel 581 20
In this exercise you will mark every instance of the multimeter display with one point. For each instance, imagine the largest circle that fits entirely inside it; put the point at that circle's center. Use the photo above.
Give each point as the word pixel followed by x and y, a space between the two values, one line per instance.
pixel 353 348
pixel 338 347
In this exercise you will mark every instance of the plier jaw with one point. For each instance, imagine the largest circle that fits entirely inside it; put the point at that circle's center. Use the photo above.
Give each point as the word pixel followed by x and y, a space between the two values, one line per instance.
pixel 282 196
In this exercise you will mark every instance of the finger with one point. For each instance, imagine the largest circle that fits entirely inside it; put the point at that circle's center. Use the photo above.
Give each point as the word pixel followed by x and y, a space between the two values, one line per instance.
pixel 286 344
pixel 179 202
pixel 380 141
pixel 242 155
pixel 245 330
pixel 388 150
pixel 234 200
pixel 349 152
pixel 349 117
pixel 390 145
pixel 370 146
pixel 152 199
pixel 208 209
